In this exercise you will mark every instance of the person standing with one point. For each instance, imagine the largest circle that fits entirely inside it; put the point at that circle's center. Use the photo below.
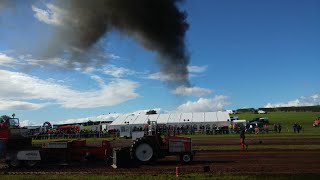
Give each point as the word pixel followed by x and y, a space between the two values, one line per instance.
pixel 242 140
pixel 279 128
pixel 295 126
pixel 266 128
pixel 275 128
pixel 299 127
pixel 230 128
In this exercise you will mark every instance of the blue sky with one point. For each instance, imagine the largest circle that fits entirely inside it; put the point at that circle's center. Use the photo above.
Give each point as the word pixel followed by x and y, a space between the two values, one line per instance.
pixel 242 54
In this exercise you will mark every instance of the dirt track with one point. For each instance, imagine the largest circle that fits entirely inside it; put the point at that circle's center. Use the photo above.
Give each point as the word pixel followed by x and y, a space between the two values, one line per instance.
pixel 268 161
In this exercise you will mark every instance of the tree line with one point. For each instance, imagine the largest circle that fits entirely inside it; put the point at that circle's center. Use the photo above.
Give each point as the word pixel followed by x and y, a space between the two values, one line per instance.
pixel 283 109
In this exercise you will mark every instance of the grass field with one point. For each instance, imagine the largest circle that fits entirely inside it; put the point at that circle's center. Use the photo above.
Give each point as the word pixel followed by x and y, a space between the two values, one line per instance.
pixel 287 119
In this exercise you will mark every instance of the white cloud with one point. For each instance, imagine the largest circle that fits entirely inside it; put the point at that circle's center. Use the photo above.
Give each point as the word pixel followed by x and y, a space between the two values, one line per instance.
pixel 52 15
pixel 107 117
pixel 113 56
pixel 302 101
pixel 114 93
pixel 117 72
pixel 195 91
pixel 211 104
pixel 22 87
pixel 6 60
pixel 28 60
pixel 160 77
pixel 18 105
pixel 26 123
pixel 197 69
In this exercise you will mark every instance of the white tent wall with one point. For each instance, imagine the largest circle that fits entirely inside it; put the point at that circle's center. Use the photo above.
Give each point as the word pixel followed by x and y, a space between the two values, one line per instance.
pixel 198 120
pixel 222 116
pixel 163 118
pixel 174 119
pixel 186 119
pixel 211 120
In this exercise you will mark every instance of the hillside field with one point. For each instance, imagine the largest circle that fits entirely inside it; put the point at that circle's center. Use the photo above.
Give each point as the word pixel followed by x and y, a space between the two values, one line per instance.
pixel 287 119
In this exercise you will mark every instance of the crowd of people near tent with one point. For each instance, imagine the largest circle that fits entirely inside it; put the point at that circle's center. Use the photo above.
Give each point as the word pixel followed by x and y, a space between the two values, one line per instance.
pixel 185 129
pixel 68 133
pixel 233 128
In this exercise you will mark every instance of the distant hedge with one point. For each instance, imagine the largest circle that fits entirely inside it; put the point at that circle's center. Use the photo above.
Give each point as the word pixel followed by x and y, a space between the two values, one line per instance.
pixel 283 109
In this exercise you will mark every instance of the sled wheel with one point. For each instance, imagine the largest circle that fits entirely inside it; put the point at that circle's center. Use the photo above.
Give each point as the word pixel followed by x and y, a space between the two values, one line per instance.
pixel 31 163
pixel 186 158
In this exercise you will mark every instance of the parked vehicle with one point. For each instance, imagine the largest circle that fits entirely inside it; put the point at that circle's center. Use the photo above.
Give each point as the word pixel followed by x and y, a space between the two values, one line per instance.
pixel 262 120
pixel 316 122
pixel 262 112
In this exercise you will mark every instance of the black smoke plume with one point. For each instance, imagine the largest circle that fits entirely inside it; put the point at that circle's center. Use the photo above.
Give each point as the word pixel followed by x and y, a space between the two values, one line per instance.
pixel 158 25
pixel 5 4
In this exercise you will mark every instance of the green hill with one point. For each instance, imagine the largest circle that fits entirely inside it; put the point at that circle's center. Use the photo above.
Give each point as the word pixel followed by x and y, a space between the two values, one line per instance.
pixel 287 119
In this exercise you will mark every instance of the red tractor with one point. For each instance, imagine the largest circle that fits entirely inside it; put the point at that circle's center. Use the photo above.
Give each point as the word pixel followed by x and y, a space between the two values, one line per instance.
pixel 316 122
pixel 18 150
pixel 153 146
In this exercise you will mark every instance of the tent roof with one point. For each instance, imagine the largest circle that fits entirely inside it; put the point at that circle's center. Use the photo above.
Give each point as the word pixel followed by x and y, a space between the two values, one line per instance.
pixel 172 118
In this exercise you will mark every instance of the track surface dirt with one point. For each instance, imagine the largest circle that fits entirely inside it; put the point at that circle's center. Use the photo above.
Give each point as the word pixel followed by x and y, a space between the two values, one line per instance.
pixel 262 161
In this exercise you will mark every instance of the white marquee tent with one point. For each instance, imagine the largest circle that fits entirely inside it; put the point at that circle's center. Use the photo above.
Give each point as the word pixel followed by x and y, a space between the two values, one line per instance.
pixel 125 123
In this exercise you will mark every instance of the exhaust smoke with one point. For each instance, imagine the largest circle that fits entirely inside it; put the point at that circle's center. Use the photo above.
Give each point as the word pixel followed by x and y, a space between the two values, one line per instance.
pixel 158 25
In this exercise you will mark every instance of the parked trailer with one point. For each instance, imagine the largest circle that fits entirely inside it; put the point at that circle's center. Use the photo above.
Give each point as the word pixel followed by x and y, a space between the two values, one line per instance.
pixel 18 150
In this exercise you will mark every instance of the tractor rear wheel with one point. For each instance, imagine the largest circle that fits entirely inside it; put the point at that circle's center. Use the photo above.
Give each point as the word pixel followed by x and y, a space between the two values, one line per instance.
pixel 143 151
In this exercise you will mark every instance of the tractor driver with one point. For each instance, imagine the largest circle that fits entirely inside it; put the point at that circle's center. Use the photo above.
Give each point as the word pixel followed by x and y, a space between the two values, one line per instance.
pixel 2 124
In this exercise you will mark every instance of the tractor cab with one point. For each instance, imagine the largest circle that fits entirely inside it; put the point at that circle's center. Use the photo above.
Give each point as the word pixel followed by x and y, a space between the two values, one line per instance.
pixel 12 137
pixel 12 123
pixel 10 127
pixel 9 122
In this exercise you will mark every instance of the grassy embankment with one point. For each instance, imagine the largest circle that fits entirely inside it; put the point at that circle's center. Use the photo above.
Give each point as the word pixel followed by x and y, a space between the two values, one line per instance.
pixel 286 119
